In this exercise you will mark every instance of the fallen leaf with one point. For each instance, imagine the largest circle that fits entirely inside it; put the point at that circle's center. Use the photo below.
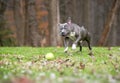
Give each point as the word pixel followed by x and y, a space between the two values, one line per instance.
pixel 91 54
pixel 21 80
pixel 82 66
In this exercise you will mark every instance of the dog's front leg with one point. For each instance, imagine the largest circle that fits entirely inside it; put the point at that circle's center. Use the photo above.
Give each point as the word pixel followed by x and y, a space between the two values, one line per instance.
pixel 75 43
pixel 66 43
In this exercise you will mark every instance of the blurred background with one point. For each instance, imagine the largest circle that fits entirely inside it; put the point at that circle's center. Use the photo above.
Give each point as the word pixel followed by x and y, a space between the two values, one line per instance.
pixel 34 22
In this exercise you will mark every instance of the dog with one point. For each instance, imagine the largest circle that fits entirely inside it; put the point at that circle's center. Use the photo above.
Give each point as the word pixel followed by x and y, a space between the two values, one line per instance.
pixel 71 31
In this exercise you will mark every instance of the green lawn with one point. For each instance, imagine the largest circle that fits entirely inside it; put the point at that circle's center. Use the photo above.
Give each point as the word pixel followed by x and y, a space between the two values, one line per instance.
pixel 28 65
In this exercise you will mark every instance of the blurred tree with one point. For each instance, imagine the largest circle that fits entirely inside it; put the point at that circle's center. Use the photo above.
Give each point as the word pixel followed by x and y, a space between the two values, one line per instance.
pixel 34 22
pixel 32 36
pixel 53 8
pixel 19 21
pixel 5 34
pixel 42 18
pixel 109 22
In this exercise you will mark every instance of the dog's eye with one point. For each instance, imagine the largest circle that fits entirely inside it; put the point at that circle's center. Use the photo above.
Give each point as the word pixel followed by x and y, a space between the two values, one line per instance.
pixel 61 28
pixel 65 27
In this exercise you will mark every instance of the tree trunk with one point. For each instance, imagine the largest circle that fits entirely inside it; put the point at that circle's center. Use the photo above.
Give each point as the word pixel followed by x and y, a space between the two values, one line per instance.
pixel 109 22
pixel 19 21
pixel 2 21
pixel 53 22
pixel 31 30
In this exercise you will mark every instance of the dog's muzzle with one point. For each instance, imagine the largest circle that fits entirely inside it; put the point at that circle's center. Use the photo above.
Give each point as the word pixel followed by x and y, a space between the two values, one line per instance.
pixel 62 33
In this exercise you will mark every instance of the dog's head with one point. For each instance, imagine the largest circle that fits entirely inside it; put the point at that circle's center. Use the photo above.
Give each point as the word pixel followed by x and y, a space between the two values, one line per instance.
pixel 65 28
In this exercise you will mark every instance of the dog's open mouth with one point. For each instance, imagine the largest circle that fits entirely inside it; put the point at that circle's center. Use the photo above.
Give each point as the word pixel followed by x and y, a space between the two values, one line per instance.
pixel 62 34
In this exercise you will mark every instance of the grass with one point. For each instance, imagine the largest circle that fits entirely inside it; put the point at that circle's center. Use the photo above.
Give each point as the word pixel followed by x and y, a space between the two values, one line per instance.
pixel 29 65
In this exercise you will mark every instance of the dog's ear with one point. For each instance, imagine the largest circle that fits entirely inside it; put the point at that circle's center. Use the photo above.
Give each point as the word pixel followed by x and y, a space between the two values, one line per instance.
pixel 58 24
pixel 69 20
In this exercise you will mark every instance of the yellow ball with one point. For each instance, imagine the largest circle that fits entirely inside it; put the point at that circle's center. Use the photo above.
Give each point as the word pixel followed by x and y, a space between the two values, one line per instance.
pixel 49 56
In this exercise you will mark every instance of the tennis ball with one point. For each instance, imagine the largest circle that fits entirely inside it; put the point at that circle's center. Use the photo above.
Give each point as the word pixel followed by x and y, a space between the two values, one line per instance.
pixel 49 56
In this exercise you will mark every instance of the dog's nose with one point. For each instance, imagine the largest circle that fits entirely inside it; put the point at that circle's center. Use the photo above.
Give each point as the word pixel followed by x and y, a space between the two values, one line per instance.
pixel 63 34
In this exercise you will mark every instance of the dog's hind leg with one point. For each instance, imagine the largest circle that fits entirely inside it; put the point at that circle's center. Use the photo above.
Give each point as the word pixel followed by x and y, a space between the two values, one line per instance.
pixel 80 44
pixel 88 39
pixel 90 48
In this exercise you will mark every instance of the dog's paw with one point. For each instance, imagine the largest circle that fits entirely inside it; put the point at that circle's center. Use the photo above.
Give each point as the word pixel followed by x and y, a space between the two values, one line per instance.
pixel 74 46
pixel 66 49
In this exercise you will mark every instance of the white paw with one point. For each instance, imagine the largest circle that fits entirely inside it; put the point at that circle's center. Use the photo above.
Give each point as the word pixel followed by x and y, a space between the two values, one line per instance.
pixel 66 49
pixel 74 46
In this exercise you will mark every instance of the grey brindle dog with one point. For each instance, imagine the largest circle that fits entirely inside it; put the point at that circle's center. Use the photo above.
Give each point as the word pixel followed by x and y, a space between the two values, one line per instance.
pixel 70 31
